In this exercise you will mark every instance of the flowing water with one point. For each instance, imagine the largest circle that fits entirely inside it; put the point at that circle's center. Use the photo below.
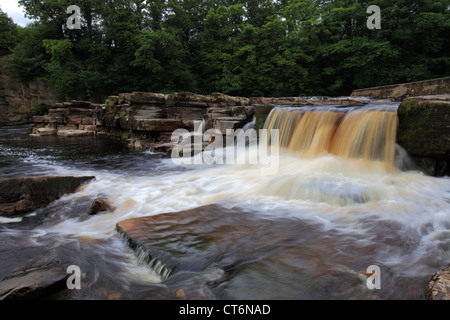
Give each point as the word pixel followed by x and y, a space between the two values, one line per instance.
pixel 309 231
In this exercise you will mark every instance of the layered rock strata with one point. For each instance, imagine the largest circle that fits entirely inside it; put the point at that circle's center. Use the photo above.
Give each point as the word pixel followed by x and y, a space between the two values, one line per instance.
pixel 22 195
pixel 424 131
pixel 145 119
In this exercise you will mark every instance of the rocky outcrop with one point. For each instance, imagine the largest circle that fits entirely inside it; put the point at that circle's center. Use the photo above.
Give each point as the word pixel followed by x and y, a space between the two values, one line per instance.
pixel 424 132
pixel 22 195
pixel 18 98
pixel 68 119
pixel 404 90
pixel 438 287
pixel 246 251
pixel 146 119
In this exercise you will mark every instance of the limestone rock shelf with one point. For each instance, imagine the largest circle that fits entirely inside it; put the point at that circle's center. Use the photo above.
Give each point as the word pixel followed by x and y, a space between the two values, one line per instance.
pixel 146 119
pixel 22 195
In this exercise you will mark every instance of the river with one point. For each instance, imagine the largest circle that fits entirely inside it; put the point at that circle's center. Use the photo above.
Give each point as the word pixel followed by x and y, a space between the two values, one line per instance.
pixel 310 231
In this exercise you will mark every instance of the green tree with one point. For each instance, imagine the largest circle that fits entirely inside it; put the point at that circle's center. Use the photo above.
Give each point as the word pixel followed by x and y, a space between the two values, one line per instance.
pixel 9 33
pixel 248 48
pixel 28 58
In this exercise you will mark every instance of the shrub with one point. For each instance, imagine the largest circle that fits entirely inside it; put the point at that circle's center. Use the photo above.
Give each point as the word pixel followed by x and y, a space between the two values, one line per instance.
pixel 41 109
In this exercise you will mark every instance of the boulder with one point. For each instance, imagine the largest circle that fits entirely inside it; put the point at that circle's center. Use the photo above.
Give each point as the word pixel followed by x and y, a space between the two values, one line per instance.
pixel 438 287
pixel 23 195
pixel 46 131
pixel 99 205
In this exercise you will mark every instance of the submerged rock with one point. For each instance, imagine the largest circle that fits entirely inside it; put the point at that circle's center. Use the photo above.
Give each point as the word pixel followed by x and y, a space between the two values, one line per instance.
pixel 22 195
pixel 99 205
pixel 34 281
pixel 242 255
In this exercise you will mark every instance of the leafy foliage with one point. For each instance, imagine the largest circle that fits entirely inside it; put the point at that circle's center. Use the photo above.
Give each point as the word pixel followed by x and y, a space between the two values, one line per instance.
pixel 247 48
pixel 41 109
pixel 9 33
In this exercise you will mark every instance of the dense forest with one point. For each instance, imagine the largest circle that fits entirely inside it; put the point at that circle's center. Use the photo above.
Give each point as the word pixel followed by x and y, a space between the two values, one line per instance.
pixel 244 48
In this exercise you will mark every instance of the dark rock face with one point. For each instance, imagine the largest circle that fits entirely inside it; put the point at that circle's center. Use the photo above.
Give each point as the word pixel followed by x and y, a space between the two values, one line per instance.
pixel 424 132
pixel 99 205
pixel 22 195
pixel 34 281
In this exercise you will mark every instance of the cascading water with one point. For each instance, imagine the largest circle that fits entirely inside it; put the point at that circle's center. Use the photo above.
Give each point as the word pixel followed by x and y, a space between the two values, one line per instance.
pixel 367 133
pixel 337 204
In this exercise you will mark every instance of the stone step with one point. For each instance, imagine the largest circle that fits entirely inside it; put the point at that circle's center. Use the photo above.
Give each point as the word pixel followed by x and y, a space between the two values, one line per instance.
pixel 46 131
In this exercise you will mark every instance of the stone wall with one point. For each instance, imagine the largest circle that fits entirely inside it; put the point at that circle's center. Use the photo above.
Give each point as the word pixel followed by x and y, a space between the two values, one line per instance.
pixel 403 90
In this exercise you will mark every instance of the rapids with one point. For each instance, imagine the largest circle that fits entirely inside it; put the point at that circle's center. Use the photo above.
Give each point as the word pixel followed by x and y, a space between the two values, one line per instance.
pixel 324 217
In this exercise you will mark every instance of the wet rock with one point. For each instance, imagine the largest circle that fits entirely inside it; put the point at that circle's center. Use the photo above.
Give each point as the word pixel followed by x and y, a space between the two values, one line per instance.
pixel 46 131
pixel 195 240
pixel 33 281
pixel 438 287
pixel 154 116
pixel 423 131
pixel 241 254
pixel 99 205
pixel 75 133
pixel 22 195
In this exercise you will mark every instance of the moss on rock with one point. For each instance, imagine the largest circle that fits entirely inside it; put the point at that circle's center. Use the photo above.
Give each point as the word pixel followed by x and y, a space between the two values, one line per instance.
pixel 424 129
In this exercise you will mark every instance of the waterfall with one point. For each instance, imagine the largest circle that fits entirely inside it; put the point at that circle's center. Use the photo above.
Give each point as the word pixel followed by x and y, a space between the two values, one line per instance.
pixel 144 255
pixel 367 133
